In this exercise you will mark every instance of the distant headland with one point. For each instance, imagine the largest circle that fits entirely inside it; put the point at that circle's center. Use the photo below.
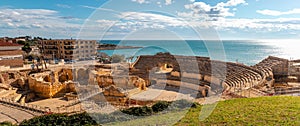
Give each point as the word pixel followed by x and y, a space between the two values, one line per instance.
pixel 114 47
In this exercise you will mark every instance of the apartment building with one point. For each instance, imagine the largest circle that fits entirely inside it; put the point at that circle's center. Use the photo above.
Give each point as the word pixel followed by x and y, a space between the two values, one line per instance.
pixel 68 49
pixel 11 54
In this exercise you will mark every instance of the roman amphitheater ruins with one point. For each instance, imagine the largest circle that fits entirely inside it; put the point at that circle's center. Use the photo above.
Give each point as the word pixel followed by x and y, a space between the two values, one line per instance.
pixel 122 84
pixel 230 76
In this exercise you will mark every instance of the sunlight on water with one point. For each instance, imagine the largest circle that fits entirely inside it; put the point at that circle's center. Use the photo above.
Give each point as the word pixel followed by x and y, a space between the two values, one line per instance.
pixel 289 49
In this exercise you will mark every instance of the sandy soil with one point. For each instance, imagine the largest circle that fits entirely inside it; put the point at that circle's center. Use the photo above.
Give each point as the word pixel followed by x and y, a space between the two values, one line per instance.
pixel 160 95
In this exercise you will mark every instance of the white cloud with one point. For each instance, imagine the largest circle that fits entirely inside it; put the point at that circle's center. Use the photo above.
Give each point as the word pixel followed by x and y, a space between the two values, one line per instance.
pixel 168 2
pixel 220 10
pixel 278 13
pixel 89 7
pixel 232 3
pixel 141 1
pixel 63 6
pixel 159 4
pixel 148 19
pixel 36 22
pixel 132 21
pixel 100 8
pixel 258 25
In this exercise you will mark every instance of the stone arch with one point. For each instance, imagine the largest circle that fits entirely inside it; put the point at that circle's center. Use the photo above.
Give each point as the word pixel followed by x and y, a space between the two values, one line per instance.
pixel 153 82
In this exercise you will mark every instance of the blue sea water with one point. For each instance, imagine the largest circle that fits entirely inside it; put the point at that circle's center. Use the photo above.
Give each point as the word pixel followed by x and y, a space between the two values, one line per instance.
pixel 246 52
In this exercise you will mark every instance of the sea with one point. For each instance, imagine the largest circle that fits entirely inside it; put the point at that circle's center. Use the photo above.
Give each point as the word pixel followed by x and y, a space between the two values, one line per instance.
pixel 248 52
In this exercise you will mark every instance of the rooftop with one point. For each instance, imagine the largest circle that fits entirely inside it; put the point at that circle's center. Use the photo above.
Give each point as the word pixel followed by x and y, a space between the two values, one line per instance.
pixel 2 43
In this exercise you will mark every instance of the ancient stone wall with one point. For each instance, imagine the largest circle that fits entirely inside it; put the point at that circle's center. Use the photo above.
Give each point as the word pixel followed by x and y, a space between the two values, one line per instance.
pixel 13 78
pixel 52 83
pixel 127 83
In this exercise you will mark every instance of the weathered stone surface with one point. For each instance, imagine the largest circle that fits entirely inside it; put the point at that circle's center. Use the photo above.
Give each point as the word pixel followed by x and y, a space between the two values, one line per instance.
pixel 52 83
pixel 192 75
pixel 122 82
pixel 175 73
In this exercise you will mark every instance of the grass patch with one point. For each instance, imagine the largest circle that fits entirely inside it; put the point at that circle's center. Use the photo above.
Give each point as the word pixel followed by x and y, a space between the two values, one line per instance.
pixel 280 110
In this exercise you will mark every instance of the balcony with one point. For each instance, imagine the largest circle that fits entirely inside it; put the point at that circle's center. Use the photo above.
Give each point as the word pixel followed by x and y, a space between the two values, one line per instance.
pixel 69 43
pixel 69 53
pixel 51 48
pixel 69 48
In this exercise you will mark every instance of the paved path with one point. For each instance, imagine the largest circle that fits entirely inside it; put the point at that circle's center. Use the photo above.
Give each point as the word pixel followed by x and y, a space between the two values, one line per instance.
pixel 14 115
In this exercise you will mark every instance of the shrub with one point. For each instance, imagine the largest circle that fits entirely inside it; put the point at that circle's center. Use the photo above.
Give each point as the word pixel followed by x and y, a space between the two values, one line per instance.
pixel 160 106
pixel 139 111
pixel 6 124
pixel 181 104
pixel 61 119
pixel 116 116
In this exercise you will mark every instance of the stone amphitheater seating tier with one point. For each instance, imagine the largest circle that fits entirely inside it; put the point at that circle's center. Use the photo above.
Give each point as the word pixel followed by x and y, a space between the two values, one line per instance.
pixel 237 75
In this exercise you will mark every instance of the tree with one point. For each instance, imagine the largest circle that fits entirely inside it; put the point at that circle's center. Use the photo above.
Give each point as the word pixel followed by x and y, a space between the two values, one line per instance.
pixel 21 42
pixel 160 106
pixel 26 48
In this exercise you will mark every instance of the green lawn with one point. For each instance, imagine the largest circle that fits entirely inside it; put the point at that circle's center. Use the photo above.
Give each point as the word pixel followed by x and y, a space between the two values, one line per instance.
pixel 280 110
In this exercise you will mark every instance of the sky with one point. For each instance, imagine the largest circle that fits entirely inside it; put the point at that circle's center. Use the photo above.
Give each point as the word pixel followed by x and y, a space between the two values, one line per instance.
pixel 151 19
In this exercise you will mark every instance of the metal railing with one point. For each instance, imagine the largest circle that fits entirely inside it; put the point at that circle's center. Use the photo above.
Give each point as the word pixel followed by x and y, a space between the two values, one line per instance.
pixel 25 106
